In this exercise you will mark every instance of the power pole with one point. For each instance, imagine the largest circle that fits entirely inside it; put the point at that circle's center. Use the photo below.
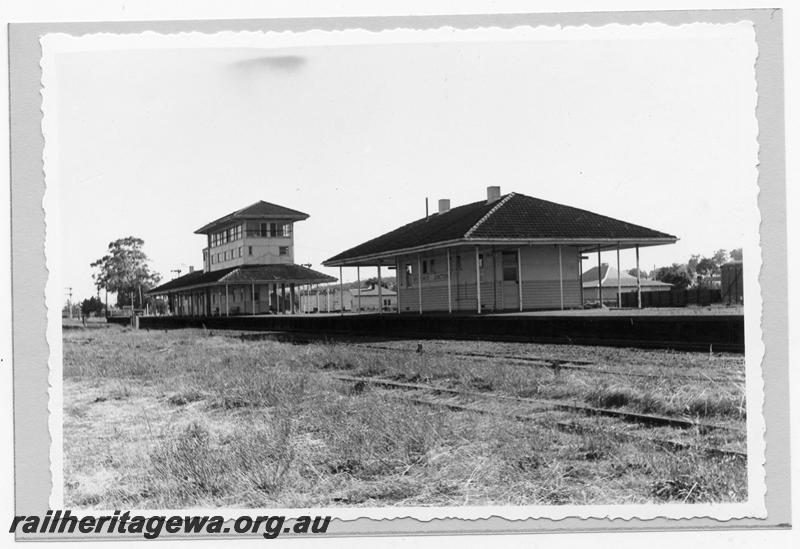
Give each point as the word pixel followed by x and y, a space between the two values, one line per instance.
pixel 69 301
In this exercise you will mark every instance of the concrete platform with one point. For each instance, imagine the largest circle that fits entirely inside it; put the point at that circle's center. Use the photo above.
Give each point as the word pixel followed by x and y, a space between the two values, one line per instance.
pixel 695 332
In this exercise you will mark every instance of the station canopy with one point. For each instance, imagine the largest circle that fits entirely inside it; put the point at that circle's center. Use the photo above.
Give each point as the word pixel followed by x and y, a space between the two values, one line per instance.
pixel 288 273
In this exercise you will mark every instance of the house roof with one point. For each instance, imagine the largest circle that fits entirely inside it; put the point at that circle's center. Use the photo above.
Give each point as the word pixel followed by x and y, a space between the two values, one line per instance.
pixel 513 217
pixel 245 274
pixel 609 277
pixel 257 210
pixel 373 292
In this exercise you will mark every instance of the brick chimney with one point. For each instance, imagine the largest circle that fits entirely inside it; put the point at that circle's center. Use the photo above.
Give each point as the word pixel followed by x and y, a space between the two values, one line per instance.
pixel 492 194
pixel 444 205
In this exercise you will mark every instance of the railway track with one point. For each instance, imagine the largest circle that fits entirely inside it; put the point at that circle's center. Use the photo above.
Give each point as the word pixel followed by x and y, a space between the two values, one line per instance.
pixel 527 409
pixel 555 364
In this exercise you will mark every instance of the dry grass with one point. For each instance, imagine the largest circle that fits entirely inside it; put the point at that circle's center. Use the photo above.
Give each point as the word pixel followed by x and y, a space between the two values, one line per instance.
pixel 183 419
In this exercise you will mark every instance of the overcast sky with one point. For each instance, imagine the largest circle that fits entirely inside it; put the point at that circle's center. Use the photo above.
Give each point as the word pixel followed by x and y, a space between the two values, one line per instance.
pixel 156 143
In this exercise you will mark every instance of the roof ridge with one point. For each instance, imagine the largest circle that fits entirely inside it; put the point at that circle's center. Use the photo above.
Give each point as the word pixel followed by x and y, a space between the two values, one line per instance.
pixel 488 214
pixel 246 207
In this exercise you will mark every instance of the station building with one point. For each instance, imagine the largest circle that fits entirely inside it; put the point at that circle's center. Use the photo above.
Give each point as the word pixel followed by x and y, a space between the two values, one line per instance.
pixel 248 266
pixel 508 252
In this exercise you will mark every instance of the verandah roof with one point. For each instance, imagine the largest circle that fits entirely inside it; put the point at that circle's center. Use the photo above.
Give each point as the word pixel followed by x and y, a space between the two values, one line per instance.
pixel 244 274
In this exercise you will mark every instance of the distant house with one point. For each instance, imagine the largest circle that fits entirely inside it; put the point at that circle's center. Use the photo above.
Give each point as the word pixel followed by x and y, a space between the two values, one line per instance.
pixel 370 299
pixel 609 283
pixel 506 253
pixel 326 299
pixel 248 266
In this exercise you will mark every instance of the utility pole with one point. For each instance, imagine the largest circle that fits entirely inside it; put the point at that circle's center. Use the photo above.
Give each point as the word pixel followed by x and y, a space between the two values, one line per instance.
pixel 69 301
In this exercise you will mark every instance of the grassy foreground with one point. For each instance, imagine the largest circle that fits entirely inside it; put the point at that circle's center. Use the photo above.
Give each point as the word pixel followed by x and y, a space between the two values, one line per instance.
pixel 188 419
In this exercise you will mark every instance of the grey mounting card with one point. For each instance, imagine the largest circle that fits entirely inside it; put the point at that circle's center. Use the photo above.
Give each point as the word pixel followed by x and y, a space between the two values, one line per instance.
pixel 73 85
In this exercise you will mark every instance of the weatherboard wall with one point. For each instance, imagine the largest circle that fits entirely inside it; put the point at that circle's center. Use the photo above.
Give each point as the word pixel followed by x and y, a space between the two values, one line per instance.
pixel 426 274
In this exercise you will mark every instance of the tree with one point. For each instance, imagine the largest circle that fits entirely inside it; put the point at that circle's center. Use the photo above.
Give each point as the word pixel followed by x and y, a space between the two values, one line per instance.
pixel 633 271
pixel 736 254
pixel 707 268
pixel 124 271
pixel 678 275
pixel 373 282
pixel 720 257
pixel 92 305
pixel 692 264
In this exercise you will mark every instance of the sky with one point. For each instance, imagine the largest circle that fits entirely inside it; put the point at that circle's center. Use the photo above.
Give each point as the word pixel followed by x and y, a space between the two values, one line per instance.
pixel 155 143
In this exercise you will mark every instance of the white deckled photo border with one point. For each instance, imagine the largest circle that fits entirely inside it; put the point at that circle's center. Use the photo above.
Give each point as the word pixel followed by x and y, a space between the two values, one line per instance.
pixel 54 44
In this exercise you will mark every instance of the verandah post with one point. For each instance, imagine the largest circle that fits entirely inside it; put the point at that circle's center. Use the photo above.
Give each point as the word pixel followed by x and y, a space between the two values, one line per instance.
pixel 478 278
pixel 380 291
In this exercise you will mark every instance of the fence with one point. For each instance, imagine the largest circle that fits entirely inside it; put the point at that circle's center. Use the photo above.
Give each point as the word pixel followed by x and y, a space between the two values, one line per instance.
pixel 674 298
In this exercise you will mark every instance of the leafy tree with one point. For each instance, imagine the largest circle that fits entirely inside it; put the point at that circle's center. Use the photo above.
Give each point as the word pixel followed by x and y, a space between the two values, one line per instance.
pixel 736 255
pixel 678 275
pixel 124 271
pixel 373 282
pixel 707 268
pixel 692 264
pixel 92 305
pixel 632 272
pixel 720 257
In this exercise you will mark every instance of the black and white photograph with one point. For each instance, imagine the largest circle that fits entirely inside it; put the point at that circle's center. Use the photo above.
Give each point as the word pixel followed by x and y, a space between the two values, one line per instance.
pixel 445 271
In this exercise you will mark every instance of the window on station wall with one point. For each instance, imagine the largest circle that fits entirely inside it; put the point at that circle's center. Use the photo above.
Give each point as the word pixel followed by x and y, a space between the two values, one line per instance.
pixel 240 251
pixel 273 229
pixel 409 275
pixel 238 232
pixel 249 250
pixel 283 250
pixel 458 263
pixel 286 229
pixel 263 229
pixel 226 255
pixel 425 266
pixel 257 295
pixel 510 266
pixel 480 261
pixel 213 259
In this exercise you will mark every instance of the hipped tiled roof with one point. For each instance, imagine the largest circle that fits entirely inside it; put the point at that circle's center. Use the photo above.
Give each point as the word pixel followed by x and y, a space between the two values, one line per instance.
pixel 246 274
pixel 257 210
pixel 513 216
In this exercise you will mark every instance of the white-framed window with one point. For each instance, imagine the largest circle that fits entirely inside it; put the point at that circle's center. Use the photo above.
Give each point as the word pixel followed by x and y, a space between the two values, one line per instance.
pixel 283 250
